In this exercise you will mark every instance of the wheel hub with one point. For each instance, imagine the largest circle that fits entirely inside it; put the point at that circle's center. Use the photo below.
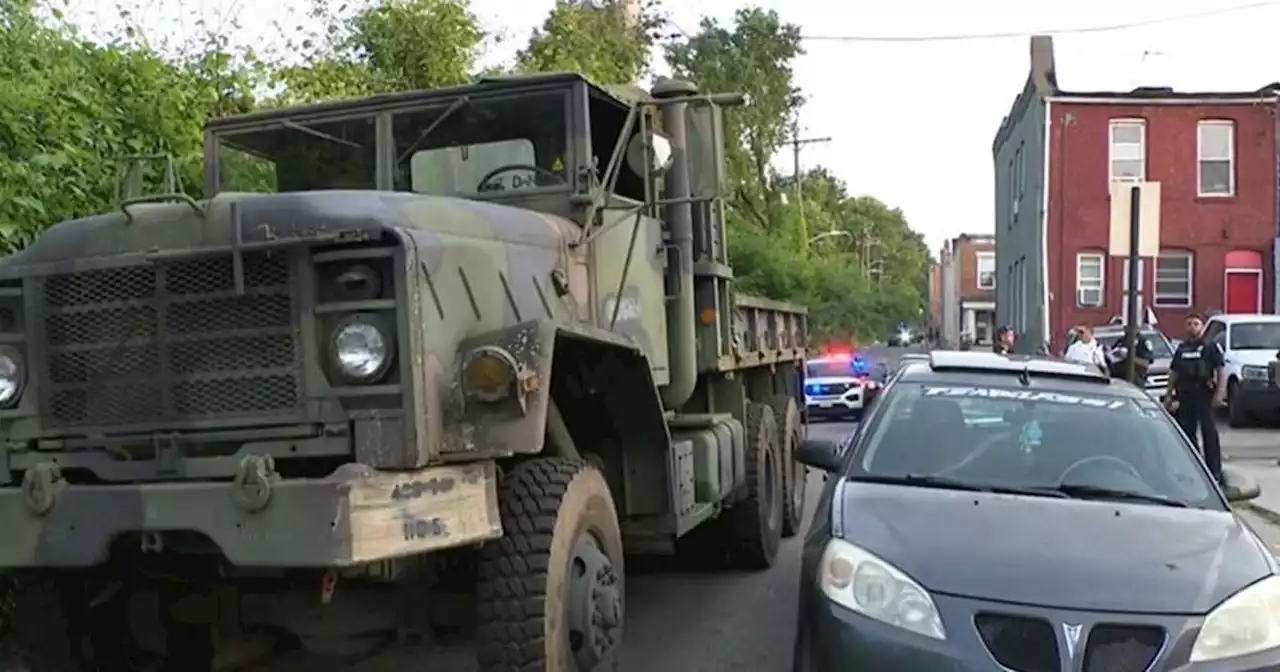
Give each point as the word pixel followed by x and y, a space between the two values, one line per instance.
pixel 594 605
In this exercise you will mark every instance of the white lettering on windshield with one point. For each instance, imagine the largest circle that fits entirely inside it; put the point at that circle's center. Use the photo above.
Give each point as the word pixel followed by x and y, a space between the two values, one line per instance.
pixel 1025 395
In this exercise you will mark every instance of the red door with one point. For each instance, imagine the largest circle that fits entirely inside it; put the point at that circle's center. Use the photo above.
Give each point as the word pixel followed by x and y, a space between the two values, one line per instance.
pixel 1244 290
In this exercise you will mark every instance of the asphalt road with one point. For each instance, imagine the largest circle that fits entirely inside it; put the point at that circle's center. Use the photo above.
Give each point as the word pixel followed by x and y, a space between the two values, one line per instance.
pixel 721 622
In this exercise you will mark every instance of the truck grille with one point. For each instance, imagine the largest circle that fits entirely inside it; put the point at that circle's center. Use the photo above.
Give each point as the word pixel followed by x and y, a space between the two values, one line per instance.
pixel 1121 648
pixel 1018 643
pixel 161 343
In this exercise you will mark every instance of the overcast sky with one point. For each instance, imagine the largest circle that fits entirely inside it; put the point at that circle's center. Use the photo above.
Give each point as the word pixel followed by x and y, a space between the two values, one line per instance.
pixel 911 123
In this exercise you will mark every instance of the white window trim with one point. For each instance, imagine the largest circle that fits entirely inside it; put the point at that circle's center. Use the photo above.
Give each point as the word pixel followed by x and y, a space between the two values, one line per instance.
pixel 1102 279
pixel 1231 157
pixel 978 257
pixel 1111 145
pixel 1191 274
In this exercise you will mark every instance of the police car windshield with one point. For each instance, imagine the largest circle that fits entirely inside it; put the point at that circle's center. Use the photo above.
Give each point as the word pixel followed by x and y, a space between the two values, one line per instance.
pixel 1012 437
pixel 1255 336
pixel 833 368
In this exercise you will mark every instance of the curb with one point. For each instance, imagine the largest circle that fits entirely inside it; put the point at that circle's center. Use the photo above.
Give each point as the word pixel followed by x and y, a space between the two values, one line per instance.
pixel 1262 512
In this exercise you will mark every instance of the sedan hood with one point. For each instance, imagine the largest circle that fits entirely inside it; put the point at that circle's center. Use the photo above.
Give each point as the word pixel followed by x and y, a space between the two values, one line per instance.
pixel 1068 554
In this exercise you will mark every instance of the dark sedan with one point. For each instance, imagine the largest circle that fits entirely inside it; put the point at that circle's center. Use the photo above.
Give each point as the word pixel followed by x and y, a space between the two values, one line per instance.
pixel 1008 514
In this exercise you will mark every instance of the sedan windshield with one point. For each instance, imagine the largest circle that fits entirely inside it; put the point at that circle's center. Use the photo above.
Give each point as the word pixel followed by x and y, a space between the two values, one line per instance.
pixel 1015 439
pixel 1255 336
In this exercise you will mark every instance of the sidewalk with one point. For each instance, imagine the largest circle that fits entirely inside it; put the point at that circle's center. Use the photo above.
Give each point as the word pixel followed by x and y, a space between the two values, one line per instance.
pixel 1266 473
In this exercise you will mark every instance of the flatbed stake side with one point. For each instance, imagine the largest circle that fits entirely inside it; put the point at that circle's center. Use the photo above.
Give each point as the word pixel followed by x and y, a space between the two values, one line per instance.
pixel 458 350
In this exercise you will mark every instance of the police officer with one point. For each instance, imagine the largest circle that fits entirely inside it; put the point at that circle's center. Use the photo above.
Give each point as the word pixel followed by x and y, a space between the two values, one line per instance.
pixel 1197 384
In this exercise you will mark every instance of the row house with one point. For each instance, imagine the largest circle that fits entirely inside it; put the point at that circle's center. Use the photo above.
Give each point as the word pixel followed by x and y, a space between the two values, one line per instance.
pixel 968 288
pixel 1058 157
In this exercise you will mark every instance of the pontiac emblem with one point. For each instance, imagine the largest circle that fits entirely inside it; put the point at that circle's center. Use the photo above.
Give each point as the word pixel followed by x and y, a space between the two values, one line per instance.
pixel 1072 634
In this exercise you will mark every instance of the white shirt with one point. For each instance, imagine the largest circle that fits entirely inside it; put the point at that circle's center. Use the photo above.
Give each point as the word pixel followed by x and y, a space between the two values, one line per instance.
pixel 1086 353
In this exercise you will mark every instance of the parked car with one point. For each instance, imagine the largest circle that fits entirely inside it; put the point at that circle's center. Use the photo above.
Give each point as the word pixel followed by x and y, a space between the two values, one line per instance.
pixel 1028 514
pixel 1249 344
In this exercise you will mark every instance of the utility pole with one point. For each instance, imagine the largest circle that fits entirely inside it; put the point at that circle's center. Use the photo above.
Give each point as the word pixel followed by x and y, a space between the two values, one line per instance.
pixel 796 143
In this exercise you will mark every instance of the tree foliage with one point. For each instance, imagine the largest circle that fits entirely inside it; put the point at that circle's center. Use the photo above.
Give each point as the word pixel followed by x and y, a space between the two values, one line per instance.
pixel 73 107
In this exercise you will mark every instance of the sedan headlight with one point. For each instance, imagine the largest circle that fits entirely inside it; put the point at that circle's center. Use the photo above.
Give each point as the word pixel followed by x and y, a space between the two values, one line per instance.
pixel 1254 373
pixel 861 582
pixel 11 376
pixel 362 348
pixel 1247 622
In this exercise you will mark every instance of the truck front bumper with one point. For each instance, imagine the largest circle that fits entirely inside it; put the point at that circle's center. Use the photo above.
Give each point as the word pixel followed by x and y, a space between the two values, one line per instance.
pixel 353 516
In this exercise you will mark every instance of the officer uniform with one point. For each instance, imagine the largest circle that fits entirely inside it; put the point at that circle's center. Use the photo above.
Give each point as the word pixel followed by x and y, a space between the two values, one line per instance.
pixel 1196 364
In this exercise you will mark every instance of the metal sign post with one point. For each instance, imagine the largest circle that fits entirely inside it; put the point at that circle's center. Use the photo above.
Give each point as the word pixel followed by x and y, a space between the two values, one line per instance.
pixel 1131 312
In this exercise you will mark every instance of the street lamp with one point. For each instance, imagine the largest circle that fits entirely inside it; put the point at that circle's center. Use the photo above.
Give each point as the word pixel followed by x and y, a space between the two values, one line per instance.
pixel 829 234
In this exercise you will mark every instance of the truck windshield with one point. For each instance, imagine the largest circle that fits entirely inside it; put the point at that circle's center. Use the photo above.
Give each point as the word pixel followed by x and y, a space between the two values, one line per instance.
pixel 299 156
pixel 483 145
pixel 452 146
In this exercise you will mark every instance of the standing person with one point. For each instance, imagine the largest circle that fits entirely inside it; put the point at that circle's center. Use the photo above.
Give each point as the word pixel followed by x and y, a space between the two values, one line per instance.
pixel 1004 340
pixel 1197 384
pixel 1086 350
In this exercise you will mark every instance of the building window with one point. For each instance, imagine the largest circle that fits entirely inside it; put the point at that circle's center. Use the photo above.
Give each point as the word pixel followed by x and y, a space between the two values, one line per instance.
pixel 1013 195
pixel 1215 154
pixel 1089 279
pixel 1173 279
pixel 1128 150
pixel 1016 185
pixel 986 270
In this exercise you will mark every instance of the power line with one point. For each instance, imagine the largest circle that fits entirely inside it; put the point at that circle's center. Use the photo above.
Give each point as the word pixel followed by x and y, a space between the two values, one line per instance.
pixel 1061 31
pixel 967 37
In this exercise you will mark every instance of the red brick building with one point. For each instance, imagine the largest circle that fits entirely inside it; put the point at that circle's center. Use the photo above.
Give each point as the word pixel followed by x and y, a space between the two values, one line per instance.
pixel 1214 156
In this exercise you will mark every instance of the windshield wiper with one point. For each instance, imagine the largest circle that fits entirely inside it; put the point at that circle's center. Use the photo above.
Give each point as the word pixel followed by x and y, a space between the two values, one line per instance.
pixel 944 483
pixel 457 104
pixel 1099 492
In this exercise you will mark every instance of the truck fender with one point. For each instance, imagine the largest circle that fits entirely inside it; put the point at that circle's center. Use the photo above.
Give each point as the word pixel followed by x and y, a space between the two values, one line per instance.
pixel 516 423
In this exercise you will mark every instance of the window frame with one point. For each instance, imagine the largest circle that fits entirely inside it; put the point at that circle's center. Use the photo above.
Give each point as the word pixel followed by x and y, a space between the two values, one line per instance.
pixel 978 258
pixel 1230 125
pixel 1101 288
pixel 1159 300
pixel 1141 124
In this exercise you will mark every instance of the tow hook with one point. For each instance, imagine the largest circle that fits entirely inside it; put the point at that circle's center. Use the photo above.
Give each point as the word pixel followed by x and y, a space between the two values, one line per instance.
pixel 252 485
pixel 40 487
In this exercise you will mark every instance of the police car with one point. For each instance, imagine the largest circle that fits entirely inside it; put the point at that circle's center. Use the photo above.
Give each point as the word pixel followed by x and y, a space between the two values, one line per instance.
pixel 838 384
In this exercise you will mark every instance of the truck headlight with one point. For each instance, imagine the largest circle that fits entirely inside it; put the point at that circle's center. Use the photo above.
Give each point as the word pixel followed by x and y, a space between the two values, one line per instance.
pixel 1245 623
pixel 362 348
pixel 11 376
pixel 1254 373
pixel 857 580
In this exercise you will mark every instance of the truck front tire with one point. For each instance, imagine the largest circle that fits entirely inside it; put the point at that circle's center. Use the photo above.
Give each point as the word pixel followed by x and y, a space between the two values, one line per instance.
pixel 550 591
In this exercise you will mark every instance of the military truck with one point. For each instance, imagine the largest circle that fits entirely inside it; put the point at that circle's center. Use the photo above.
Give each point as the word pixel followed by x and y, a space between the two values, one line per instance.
pixel 420 369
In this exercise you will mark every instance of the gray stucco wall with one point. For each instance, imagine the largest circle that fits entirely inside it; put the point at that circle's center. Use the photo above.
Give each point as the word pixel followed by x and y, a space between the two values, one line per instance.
pixel 1019 235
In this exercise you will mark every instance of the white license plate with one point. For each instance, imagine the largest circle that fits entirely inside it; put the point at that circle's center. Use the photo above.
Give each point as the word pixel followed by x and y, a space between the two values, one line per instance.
pixel 824 404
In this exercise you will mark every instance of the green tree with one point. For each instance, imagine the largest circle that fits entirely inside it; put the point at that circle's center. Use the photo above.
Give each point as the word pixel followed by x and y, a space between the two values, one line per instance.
pixel 858 284
pixel 608 42
pixel 752 56
pixel 387 46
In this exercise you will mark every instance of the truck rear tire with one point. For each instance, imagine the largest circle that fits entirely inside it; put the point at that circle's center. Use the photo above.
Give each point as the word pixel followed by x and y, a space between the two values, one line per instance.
pixel 550 591
pixel 755 523
pixel 790 435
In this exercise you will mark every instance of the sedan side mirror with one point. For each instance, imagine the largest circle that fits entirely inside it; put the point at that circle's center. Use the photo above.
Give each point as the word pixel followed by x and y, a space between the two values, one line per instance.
pixel 823 454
